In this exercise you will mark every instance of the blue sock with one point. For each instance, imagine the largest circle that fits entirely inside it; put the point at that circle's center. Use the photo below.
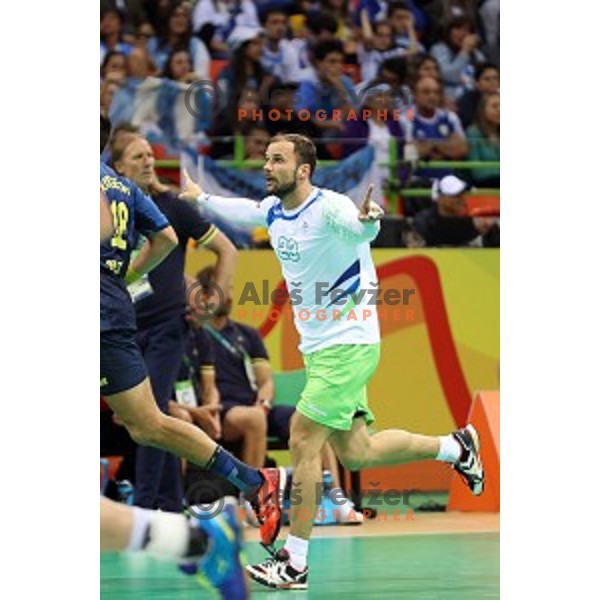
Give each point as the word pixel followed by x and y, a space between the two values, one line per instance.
pixel 246 479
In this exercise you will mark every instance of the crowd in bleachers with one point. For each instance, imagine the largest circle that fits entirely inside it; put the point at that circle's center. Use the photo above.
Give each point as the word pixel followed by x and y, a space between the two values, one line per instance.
pixel 422 75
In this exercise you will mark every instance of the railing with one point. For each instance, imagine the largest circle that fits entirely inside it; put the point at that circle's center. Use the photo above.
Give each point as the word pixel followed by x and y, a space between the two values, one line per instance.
pixel 394 191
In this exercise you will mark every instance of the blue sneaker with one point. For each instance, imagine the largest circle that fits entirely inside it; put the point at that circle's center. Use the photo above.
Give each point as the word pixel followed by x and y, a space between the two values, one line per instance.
pixel 220 568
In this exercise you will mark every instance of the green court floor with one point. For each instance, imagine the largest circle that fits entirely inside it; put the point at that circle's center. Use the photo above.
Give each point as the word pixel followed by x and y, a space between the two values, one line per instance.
pixel 428 567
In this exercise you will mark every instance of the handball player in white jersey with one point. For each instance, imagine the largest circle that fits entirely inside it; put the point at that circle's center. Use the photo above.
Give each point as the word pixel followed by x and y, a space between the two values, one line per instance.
pixel 322 241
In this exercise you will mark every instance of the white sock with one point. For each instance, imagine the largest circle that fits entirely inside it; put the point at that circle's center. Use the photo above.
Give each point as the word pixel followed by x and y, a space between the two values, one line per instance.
pixel 450 450
pixel 141 523
pixel 162 535
pixel 298 551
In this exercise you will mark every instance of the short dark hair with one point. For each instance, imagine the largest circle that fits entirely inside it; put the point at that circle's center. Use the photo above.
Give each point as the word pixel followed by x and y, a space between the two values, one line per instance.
pixel 319 21
pixel 397 64
pixel 481 68
pixel 107 58
pixel 397 5
pixel 322 49
pixel 304 149
pixel 105 128
pixel 273 10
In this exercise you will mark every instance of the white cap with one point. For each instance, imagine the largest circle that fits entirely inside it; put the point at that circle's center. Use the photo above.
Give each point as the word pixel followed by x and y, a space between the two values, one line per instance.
pixel 242 34
pixel 450 185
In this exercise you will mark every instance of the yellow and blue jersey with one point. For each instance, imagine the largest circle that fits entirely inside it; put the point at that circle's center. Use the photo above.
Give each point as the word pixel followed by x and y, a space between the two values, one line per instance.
pixel 133 213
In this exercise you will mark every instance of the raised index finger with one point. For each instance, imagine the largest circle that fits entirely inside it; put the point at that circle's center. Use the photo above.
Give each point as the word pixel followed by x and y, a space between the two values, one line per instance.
pixel 367 200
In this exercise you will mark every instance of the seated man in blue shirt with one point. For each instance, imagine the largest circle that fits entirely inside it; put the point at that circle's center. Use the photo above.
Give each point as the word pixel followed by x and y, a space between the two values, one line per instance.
pixel 237 356
pixel 436 132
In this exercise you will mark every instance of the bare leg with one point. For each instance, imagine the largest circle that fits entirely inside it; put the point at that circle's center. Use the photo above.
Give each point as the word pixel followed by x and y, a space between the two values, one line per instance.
pixel 137 410
pixel 330 464
pixel 249 423
pixel 357 449
pixel 116 523
pixel 306 443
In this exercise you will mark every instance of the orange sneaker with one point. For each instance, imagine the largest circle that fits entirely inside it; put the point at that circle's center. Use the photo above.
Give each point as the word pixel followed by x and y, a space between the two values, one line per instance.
pixel 268 504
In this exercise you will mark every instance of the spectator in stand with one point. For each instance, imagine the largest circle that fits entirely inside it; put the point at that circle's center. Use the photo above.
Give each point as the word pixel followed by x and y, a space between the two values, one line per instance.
pixel 447 222
pixel 442 12
pixel 111 35
pixel 457 55
pixel 143 34
pixel 176 32
pixel 423 65
pixel 178 67
pixel 376 131
pixel 256 139
pixel 340 10
pixel 256 142
pixel 233 122
pixel 489 13
pixel 330 91
pixel 107 91
pixel 371 11
pixel 393 72
pixel 377 47
pixel 436 132
pixel 245 70
pixel 402 21
pixel 377 10
pixel 278 56
pixel 487 81
pixel 160 106
pixel 114 66
pixel 321 27
pixel 214 20
pixel 484 141
pixel 281 99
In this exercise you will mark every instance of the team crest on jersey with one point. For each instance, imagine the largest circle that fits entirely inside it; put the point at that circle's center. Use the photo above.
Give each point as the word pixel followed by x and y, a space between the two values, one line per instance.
pixel 287 249
pixel 444 129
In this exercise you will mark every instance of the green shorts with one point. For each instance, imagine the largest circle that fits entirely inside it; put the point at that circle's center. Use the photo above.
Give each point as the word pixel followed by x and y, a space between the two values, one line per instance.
pixel 336 384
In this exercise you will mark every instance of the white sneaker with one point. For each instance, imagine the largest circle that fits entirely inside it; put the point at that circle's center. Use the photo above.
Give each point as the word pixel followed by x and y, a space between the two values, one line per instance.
pixel 346 514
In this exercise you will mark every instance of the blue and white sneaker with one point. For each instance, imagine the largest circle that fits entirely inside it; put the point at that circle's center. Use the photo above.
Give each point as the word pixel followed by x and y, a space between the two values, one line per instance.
pixel 220 568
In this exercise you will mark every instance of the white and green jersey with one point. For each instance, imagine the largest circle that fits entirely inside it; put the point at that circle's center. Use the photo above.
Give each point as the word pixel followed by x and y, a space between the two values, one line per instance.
pixel 326 260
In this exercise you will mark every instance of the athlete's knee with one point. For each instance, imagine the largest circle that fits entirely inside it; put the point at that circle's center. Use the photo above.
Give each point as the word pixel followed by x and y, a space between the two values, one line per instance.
pixel 304 441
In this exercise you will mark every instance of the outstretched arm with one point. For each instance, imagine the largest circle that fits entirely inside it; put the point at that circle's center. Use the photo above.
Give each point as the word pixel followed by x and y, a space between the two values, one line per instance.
pixel 360 225
pixel 241 211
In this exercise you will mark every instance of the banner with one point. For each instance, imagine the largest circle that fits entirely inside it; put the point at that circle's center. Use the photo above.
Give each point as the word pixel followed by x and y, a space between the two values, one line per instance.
pixel 350 176
pixel 167 111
